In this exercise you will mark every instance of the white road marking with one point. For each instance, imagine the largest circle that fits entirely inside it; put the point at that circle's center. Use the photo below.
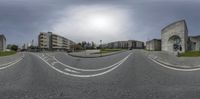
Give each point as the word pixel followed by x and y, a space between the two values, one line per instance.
pixel 45 57
pixel 53 63
pixel 173 68
pixel 48 59
pixel 11 63
pixel 78 69
pixel 91 75
pixel 71 70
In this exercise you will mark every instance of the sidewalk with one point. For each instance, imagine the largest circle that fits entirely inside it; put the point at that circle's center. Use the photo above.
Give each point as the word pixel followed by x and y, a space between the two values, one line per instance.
pixel 89 54
pixel 9 59
pixel 172 60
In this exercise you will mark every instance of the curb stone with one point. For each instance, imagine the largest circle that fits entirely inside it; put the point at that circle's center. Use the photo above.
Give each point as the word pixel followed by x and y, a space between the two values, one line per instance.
pixel 3 64
pixel 172 65
pixel 95 56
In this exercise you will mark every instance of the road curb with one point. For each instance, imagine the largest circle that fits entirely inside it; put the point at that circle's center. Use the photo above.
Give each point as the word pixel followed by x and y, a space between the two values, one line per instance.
pixel 11 61
pixel 174 66
pixel 6 65
pixel 95 56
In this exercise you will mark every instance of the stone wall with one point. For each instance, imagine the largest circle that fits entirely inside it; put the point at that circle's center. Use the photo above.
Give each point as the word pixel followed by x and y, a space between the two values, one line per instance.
pixel 178 29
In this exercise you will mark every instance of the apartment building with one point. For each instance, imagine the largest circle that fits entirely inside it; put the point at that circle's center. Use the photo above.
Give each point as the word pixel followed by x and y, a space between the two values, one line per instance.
pixel 2 42
pixel 51 41
pixel 130 44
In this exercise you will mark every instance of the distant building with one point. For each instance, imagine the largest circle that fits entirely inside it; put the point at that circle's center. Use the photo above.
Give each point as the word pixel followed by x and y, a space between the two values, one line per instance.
pixel 130 44
pixel 135 44
pixel 153 45
pixel 50 41
pixel 2 42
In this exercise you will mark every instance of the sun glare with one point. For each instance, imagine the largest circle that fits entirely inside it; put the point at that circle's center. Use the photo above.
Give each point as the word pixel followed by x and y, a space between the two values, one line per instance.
pixel 99 22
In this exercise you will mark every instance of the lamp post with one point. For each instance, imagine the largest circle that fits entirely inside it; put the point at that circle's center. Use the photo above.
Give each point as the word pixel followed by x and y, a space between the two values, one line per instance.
pixel 101 47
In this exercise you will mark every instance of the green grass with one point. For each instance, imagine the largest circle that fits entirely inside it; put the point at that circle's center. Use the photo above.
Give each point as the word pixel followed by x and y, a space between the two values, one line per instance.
pixel 6 53
pixel 103 51
pixel 190 54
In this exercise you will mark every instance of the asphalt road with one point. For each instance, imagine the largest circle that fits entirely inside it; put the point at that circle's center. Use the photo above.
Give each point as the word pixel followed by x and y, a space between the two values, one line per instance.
pixel 130 76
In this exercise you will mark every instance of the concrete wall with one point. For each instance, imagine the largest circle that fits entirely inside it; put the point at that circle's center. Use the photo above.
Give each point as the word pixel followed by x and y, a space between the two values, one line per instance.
pixel 179 29
pixel 153 45
pixel 194 44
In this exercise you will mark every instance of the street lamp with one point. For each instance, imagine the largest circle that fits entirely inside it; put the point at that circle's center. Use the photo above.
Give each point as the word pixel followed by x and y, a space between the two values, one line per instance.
pixel 101 47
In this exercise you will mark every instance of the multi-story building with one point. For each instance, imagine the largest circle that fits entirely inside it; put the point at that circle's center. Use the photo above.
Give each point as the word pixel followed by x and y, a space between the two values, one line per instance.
pixel 51 41
pixel 130 44
pixel 135 44
pixel 2 42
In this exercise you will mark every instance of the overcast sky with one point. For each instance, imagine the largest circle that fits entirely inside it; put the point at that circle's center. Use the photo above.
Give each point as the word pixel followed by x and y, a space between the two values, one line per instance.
pixel 84 20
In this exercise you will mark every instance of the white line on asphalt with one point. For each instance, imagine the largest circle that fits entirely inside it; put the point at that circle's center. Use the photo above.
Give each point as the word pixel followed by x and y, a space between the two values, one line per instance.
pixel 53 63
pixel 11 63
pixel 45 57
pixel 78 69
pixel 91 75
pixel 48 59
pixel 173 68
pixel 71 70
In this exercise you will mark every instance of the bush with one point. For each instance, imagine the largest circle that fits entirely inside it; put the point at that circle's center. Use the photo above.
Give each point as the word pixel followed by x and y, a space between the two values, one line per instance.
pixel 6 53
pixel 190 54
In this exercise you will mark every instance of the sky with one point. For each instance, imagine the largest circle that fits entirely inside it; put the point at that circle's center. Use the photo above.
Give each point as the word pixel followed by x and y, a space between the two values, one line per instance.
pixel 21 21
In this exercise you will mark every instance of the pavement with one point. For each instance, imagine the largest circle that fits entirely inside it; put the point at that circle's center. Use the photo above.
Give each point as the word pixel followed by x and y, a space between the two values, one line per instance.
pixel 90 54
pixel 172 60
pixel 128 75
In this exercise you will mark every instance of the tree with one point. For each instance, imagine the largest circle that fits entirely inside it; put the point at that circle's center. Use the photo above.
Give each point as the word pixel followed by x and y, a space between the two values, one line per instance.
pixel 83 44
pixel 9 46
pixel 14 47
pixel 93 45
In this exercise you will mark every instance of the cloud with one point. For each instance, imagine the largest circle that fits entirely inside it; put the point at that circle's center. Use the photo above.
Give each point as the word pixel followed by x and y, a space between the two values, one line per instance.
pixel 75 23
pixel 22 20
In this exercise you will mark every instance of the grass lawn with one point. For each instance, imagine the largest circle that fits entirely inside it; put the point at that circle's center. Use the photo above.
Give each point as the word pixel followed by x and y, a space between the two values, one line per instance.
pixel 103 51
pixel 190 54
pixel 7 53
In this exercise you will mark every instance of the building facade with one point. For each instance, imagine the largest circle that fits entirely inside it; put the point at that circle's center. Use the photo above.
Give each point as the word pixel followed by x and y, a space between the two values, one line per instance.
pixel 51 41
pixel 130 44
pixel 194 43
pixel 2 42
pixel 174 38
pixel 153 45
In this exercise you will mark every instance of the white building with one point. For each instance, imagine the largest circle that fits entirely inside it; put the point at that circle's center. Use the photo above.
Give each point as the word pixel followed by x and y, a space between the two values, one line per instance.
pixel 130 44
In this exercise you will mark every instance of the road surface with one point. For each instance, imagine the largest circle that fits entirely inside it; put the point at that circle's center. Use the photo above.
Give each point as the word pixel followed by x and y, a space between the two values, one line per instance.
pixel 128 75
